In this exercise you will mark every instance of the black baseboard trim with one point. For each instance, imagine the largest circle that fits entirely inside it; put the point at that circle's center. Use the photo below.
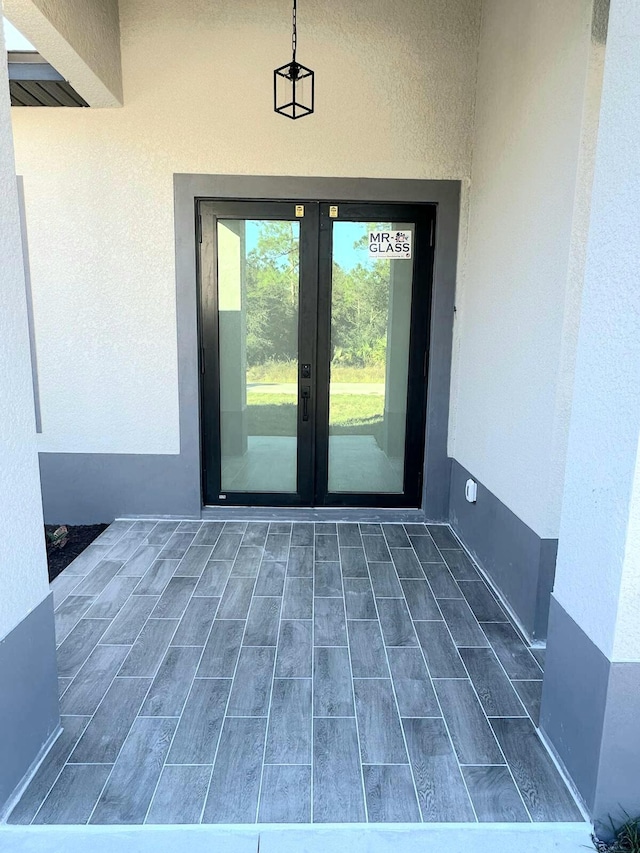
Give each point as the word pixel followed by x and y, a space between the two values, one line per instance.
pixel 29 710
pixel 519 563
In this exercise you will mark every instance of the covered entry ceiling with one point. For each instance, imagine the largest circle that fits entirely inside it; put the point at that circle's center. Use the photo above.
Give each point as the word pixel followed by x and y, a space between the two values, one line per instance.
pixel 33 82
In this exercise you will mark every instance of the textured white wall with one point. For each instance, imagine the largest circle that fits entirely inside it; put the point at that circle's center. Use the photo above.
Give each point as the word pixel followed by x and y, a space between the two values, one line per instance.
pixel 395 93
pixel 598 572
pixel 23 567
pixel 81 38
pixel 511 306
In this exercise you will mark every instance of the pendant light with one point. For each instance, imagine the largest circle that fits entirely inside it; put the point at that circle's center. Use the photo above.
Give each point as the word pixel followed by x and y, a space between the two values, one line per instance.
pixel 293 83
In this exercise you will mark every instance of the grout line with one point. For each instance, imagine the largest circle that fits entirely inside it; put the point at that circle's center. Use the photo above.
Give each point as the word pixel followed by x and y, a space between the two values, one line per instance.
pixel 91 718
pixel 178 621
pixel 473 687
pixel 93 546
pixel 64 764
pixel 232 680
pixel 333 716
pixel 184 704
pixel 144 699
pixel 83 615
pixel 273 672
pixel 353 687
pixel 444 719
pixel 493 589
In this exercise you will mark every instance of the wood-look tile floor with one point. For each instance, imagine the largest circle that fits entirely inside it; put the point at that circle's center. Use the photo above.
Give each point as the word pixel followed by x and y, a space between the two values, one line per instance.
pixel 275 672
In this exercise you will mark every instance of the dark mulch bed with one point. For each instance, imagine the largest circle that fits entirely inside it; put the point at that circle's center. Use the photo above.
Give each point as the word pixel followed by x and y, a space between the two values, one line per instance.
pixel 80 536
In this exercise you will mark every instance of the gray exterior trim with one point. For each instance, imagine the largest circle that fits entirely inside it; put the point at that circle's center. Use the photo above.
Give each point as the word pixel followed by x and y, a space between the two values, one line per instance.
pixel 83 488
pixel 589 713
pixel 517 560
pixel 30 65
pixel 618 785
pixel 27 287
pixel 89 488
pixel 445 194
pixel 574 697
pixel 29 713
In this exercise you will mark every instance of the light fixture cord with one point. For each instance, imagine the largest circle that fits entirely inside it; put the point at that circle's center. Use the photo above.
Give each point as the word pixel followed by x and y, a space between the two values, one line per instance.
pixel 294 36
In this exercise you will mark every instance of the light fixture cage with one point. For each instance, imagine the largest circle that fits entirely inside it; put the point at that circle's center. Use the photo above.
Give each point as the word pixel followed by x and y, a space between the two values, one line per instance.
pixel 293 83
pixel 293 90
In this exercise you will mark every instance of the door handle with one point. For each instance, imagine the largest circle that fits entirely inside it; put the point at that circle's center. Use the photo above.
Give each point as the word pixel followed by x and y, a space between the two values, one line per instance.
pixel 305 393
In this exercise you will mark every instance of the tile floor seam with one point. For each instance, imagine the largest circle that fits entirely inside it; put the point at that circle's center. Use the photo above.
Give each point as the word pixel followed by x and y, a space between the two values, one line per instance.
pixel 92 717
pixel 273 674
pixel 84 616
pixel 390 671
pixel 81 579
pixel 233 678
pixel 508 677
pixel 152 679
pixel 195 671
pixel 70 592
pixel 445 722
pixel 383 534
pixel 353 689
pixel 473 687
pixel 124 740
pixel 57 775
pixel 431 678
pixel 333 716
pixel 140 544
pixel 115 542
pixel 502 601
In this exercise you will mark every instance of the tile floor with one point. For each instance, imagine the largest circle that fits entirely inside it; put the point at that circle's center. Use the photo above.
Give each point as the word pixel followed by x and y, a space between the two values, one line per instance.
pixel 240 672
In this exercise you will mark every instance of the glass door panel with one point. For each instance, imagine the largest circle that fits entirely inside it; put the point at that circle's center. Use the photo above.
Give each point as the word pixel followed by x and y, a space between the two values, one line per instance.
pixel 258 285
pixel 370 343
pixel 314 334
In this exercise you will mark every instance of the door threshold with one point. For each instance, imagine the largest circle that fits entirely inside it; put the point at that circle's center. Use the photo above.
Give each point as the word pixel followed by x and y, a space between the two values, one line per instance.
pixel 276 513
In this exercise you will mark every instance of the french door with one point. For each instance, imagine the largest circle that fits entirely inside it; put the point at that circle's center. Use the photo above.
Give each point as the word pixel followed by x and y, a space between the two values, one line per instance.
pixel 314 325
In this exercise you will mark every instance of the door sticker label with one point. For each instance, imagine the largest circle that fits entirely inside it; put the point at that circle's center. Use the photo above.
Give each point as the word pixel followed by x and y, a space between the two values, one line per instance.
pixel 390 244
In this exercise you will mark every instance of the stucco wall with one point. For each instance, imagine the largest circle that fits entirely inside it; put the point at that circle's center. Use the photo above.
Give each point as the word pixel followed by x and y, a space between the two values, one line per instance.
pixel 598 578
pixel 395 95
pixel 23 577
pixel 81 38
pixel 516 315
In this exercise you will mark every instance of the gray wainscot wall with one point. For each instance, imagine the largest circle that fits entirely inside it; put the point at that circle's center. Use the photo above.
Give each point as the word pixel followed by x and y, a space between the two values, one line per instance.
pixel 29 711
pixel 84 488
pixel 519 563
pixel 590 714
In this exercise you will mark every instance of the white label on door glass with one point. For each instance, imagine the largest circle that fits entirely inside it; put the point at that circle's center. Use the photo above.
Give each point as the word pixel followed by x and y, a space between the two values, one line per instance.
pixel 390 244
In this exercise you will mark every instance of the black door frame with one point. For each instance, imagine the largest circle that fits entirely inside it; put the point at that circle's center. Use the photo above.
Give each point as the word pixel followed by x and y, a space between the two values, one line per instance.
pixel 424 217
pixel 208 212
pixel 171 484
pixel 314 312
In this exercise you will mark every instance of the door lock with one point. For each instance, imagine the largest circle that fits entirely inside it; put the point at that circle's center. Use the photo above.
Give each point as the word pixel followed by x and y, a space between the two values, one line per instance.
pixel 305 371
